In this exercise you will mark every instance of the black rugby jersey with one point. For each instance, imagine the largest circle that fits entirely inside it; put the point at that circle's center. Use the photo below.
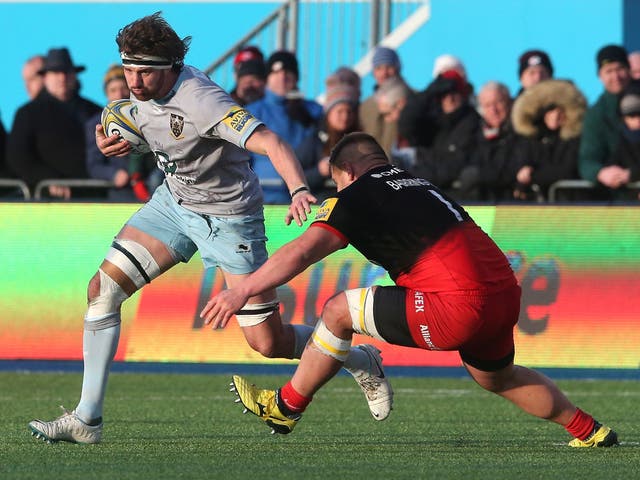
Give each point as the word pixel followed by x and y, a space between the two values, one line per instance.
pixel 391 217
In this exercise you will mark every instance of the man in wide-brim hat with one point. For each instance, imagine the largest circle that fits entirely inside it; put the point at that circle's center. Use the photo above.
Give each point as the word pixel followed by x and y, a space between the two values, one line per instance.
pixel 59 73
pixel 47 140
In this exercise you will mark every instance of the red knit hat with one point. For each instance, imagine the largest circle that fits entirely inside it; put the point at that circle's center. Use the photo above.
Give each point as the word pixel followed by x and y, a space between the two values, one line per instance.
pixel 247 53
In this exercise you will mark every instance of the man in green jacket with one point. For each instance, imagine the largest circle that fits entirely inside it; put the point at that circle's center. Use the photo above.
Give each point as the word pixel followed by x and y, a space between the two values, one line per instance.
pixel 602 124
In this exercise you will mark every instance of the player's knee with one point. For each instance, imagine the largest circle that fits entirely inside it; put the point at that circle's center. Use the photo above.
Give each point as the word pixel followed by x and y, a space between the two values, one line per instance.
pixel 494 381
pixel 93 288
pixel 265 346
pixel 103 309
pixel 336 315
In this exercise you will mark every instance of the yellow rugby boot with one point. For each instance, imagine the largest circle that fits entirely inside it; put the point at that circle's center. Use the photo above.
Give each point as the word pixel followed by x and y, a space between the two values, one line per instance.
pixel 602 436
pixel 264 404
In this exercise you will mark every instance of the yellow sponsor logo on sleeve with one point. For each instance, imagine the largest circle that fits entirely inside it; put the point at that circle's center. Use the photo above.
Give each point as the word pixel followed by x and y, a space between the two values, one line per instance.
pixel 324 211
pixel 237 118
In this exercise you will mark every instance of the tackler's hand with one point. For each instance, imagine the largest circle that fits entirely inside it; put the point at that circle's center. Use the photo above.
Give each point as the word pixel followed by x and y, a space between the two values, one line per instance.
pixel 219 310
pixel 300 207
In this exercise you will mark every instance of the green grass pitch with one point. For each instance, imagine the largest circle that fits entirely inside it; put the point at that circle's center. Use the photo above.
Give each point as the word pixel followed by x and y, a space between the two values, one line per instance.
pixel 164 426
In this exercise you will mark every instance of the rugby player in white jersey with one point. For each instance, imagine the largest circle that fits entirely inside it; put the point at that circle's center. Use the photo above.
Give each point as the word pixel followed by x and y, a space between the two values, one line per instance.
pixel 210 202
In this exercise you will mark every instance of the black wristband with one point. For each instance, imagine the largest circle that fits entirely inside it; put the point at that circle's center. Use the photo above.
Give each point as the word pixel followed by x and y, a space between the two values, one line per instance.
pixel 302 188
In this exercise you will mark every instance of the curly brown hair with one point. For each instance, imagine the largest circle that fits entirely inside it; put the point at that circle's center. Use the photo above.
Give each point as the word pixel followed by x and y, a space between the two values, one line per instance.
pixel 152 35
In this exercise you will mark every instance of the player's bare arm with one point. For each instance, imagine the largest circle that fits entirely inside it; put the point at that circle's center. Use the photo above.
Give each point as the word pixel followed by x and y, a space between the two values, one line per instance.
pixel 112 146
pixel 287 262
pixel 264 142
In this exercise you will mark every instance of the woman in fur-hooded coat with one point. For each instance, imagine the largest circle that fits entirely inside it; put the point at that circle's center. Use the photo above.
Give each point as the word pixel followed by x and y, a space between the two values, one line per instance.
pixel 549 115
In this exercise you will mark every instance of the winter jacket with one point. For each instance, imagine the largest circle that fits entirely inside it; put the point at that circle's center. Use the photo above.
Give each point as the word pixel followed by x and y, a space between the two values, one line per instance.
pixel 627 153
pixel 600 135
pixel 272 110
pixel 309 153
pixel 452 139
pixel 553 155
pixel 4 170
pixel 48 138
pixel 494 161
pixel 372 122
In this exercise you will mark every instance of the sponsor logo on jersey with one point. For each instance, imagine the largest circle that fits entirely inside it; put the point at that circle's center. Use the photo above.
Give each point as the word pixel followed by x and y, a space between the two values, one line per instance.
pixel 237 118
pixel 387 173
pixel 326 208
pixel 176 122
pixel 418 302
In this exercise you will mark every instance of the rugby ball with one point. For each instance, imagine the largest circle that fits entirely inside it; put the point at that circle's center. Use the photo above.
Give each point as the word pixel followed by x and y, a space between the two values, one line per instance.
pixel 118 118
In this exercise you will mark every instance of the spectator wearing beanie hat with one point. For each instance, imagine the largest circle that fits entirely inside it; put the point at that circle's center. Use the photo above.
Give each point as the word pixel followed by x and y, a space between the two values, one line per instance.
pixel 534 66
pixel 251 79
pixel 443 126
pixel 601 131
pixel 246 54
pixel 287 113
pixel 386 65
pixel 125 171
pixel 627 153
pixel 448 62
pixel 340 117
pixel 340 93
pixel 347 76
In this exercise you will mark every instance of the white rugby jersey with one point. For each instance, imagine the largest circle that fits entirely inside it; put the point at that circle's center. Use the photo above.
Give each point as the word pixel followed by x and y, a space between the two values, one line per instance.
pixel 196 133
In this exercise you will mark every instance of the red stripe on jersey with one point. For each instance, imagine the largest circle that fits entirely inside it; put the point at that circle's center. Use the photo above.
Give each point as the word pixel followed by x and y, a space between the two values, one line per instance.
pixel 337 233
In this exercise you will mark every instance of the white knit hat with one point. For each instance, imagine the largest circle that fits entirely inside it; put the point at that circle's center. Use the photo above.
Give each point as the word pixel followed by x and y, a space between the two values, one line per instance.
pixel 448 62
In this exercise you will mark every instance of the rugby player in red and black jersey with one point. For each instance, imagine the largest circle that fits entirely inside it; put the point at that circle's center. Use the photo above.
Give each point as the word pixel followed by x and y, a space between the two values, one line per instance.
pixel 455 290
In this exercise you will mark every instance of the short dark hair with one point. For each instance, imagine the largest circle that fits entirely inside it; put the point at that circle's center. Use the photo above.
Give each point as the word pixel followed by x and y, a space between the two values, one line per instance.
pixel 152 35
pixel 353 147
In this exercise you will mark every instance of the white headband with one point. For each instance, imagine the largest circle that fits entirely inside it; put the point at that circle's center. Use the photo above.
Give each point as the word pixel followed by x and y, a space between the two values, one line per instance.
pixel 145 61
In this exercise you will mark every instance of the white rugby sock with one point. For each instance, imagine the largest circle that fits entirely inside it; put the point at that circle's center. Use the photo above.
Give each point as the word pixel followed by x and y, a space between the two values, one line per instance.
pixel 99 349
pixel 357 361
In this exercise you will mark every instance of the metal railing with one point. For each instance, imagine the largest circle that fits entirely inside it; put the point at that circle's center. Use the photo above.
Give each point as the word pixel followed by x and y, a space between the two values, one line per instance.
pixel 44 185
pixel 579 185
pixel 327 34
pixel 18 185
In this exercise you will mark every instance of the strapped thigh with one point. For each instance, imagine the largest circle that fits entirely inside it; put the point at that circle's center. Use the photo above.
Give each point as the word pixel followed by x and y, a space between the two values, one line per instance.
pixel 134 260
pixel 255 313
pixel 360 302
pixel 139 267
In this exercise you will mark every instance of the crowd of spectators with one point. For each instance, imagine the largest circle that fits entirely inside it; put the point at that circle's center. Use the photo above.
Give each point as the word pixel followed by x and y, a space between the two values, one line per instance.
pixel 483 146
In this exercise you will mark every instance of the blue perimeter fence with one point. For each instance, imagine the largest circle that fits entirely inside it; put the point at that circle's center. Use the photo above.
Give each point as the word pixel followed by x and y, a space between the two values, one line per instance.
pixel 60 366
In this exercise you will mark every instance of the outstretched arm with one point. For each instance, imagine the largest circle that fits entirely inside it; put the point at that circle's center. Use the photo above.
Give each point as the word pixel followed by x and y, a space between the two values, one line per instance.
pixel 264 142
pixel 287 262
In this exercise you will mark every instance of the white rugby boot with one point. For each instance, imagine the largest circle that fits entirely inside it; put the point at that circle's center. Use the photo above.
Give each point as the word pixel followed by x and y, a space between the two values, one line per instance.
pixel 66 428
pixel 374 384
